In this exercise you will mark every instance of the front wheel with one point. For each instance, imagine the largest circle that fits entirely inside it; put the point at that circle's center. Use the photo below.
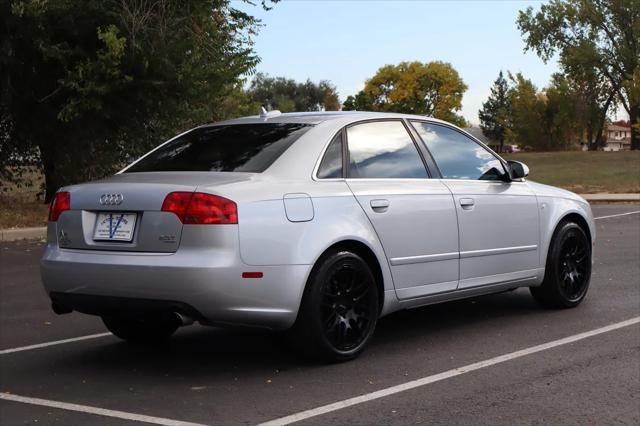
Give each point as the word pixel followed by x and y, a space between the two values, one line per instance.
pixel 568 269
pixel 339 309
pixel 147 330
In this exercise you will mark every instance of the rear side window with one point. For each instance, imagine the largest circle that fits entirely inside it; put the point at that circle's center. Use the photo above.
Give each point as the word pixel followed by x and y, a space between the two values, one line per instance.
pixel 331 165
pixel 232 148
pixel 383 149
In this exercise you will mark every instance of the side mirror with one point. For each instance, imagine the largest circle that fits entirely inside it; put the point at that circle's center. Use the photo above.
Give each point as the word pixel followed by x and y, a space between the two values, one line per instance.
pixel 517 170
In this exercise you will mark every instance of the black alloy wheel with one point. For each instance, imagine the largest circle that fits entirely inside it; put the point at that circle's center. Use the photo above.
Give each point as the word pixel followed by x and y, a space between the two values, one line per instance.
pixel 568 268
pixel 573 266
pixel 346 305
pixel 339 309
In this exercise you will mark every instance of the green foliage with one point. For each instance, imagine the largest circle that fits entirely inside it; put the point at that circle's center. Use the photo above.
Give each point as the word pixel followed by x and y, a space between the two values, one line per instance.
pixel 287 95
pixel 495 115
pixel 359 102
pixel 561 116
pixel 592 35
pixel 89 85
pixel 528 111
pixel 434 89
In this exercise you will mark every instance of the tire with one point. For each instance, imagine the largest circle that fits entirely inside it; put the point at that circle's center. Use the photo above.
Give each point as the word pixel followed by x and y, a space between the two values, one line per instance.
pixel 332 326
pixel 568 268
pixel 147 330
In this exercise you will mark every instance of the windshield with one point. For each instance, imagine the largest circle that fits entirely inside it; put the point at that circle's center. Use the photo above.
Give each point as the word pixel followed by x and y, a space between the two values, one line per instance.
pixel 229 148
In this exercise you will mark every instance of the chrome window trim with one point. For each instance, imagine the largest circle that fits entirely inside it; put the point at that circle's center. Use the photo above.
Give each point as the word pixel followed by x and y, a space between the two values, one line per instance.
pixel 345 152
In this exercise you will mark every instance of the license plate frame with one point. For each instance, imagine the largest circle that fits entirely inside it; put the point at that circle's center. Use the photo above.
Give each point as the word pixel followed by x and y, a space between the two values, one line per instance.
pixel 115 226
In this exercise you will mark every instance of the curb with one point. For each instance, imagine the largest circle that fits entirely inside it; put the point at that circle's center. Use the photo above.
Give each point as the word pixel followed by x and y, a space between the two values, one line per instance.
pixel 40 232
pixel 36 233
pixel 604 198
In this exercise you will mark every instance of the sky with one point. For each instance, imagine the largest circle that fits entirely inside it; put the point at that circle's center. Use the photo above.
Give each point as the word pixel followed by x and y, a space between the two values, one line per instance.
pixel 347 41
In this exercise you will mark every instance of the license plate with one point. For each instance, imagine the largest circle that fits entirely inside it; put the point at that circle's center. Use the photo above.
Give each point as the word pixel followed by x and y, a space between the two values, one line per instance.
pixel 115 226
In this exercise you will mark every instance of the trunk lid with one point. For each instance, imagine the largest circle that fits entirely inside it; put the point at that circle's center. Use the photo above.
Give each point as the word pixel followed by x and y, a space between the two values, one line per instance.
pixel 139 196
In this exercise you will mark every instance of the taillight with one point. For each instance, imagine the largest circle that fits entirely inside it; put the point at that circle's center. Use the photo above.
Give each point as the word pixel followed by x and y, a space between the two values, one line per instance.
pixel 177 202
pixel 198 208
pixel 60 203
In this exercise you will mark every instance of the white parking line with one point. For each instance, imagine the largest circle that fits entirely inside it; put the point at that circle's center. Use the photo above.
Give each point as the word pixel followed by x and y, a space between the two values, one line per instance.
pixel 444 375
pixel 56 342
pixel 616 215
pixel 95 410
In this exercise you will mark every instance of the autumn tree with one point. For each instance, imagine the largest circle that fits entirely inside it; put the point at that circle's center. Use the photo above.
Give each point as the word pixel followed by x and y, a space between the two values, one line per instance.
pixel 495 114
pixel 88 85
pixel 434 89
pixel 592 34
pixel 287 95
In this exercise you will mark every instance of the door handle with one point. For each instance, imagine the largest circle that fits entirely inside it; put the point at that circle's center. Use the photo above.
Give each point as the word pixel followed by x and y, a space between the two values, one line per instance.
pixel 379 205
pixel 467 203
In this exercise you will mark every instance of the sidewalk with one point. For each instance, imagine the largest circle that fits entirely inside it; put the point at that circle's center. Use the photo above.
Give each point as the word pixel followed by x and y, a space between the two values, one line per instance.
pixel 39 233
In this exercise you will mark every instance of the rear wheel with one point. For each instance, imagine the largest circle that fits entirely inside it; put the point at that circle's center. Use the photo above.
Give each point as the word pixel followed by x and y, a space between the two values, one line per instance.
pixel 568 269
pixel 339 309
pixel 149 329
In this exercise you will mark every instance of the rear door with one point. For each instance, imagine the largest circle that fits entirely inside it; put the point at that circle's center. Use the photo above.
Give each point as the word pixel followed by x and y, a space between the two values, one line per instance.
pixel 497 218
pixel 413 215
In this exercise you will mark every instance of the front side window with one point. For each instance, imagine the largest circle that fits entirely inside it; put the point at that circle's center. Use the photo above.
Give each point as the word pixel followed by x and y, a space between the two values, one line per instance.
pixel 229 148
pixel 383 149
pixel 458 156
pixel 331 164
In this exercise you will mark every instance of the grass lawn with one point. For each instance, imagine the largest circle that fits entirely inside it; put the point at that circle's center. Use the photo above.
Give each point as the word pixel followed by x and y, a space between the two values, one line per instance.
pixel 22 206
pixel 581 172
pixel 584 172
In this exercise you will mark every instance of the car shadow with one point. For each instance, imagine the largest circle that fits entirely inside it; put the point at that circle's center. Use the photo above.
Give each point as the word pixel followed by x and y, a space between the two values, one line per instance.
pixel 196 351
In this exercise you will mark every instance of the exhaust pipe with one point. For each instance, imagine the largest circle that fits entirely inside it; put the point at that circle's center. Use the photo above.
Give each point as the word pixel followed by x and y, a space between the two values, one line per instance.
pixel 183 319
pixel 60 309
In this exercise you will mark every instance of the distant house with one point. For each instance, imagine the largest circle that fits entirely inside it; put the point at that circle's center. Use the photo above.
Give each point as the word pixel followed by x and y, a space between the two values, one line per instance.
pixel 618 136
pixel 477 133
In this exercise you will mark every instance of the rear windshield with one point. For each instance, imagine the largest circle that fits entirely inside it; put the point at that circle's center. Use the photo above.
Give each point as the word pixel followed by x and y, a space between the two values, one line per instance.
pixel 248 148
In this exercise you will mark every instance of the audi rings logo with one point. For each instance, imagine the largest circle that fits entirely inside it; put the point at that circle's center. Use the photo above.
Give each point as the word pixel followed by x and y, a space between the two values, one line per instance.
pixel 111 199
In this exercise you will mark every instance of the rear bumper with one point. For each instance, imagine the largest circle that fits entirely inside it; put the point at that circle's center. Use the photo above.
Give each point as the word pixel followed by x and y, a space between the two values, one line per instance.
pixel 205 283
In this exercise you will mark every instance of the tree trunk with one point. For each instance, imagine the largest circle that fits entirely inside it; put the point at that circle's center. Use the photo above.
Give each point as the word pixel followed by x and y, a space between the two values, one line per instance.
pixel 633 117
pixel 591 144
pixel 52 174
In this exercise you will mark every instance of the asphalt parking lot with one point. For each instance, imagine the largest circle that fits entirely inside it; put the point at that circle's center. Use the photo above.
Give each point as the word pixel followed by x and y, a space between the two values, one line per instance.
pixel 211 376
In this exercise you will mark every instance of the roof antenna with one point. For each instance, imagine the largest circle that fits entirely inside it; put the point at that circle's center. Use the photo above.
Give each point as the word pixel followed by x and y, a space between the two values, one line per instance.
pixel 268 114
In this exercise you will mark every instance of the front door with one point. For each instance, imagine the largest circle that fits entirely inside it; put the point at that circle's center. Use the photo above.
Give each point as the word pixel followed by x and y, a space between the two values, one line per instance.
pixel 414 216
pixel 497 218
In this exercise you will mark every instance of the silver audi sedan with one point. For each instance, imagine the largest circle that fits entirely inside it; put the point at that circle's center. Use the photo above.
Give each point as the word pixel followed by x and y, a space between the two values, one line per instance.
pixel 314 223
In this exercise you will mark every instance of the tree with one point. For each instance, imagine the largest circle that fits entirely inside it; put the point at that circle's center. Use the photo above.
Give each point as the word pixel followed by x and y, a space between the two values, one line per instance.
pixel 528 110
pixel 594 99
pixel 562 123
pixel 434 89
pixel 288 95
pixel 598 34
pixel 359 102
pixel 495 114
pixel 89 85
